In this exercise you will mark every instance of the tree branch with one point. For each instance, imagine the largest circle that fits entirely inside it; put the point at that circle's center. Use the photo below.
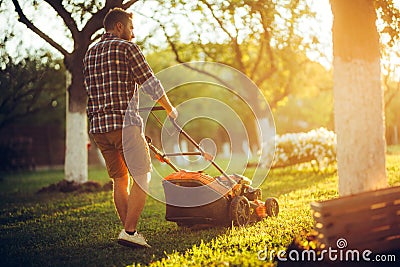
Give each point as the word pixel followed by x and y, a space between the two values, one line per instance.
pixel 205 50
pixel 23 19
pixel 96 37
pixel 179 60
pixel 96 21
pixel 266 41
pixel 236 46
pixel 66 17
pixel 218 20
pixel 128 4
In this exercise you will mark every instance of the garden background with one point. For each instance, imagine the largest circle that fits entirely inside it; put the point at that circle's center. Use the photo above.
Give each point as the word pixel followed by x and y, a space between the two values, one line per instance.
pixel 284 47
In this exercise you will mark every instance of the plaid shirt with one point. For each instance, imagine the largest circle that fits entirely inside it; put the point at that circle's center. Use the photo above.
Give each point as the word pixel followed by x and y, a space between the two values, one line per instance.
pixel 113 70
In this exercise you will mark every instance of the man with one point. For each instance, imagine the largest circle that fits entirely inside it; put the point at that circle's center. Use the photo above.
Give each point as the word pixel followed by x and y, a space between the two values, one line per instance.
pixel 114 68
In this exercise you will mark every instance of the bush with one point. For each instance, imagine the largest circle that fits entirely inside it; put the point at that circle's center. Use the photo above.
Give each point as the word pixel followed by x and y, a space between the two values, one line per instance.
pixel 16 155
pixel 316 147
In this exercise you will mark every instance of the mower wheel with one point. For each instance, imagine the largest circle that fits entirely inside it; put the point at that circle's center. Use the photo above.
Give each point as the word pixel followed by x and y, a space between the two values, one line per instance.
pixel 272 207
pixel 240 211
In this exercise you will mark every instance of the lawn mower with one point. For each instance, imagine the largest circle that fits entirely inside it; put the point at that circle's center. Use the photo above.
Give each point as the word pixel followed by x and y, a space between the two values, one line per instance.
pixel 196 198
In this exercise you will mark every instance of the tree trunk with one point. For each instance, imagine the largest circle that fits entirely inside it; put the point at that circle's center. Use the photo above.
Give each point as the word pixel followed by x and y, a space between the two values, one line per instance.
pixel 76 154
pixel 358 96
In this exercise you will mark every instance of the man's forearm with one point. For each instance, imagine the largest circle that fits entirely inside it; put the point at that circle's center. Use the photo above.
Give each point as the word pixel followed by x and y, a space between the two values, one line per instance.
pixel 165 103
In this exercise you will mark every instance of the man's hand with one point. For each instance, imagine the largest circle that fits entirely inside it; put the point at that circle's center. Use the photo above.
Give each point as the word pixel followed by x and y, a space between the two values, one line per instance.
pixel 173 114
pixel 171 110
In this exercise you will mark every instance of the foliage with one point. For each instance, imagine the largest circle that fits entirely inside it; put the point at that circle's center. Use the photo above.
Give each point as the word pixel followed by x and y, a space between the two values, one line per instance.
pixel 310 105
pixel 258 39
pixel 80 229
pixel 317 147
pixel 215 129
pixel 390 14
pixel 392 107
pixel 82 21
pixel 391 85
pixel 261 40
pixel 310 101
pixel 16 154
pixel 32 90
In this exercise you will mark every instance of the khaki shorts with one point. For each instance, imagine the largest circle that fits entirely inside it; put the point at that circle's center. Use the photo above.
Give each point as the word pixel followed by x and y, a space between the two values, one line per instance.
pixel 124 151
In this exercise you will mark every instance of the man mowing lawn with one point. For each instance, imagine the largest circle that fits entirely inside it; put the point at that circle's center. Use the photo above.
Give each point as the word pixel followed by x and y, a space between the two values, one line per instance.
pixel 114 68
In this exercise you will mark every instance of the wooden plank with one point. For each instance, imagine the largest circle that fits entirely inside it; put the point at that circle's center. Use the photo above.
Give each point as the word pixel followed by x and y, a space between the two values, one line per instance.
pixel 369 220
pixel 388 207
pixel 365 198
pixel 358 227
pixel 371 217
pixel 354 206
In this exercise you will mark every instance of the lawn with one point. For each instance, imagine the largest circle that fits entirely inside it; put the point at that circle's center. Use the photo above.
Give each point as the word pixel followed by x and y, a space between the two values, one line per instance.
pixel 80 229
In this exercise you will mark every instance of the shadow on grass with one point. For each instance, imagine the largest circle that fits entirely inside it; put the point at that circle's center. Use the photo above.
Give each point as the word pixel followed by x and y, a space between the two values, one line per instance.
pixel 99 253
pixel 81 230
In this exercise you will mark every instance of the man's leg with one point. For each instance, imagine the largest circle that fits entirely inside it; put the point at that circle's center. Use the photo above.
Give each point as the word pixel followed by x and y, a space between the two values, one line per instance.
pixel 136 201
pixel 121 196
pixel 137 159
pixel 110 145
pixel 128 205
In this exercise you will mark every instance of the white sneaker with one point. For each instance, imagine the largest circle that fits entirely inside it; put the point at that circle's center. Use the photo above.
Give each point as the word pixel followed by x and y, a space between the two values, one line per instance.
pixel 135 240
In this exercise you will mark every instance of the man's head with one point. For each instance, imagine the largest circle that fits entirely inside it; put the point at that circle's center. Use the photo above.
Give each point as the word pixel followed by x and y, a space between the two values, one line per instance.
pixel 119 22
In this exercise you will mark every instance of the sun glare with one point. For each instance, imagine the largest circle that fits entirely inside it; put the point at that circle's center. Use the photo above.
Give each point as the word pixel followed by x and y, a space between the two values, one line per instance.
pixel 319 27
pixel 322 27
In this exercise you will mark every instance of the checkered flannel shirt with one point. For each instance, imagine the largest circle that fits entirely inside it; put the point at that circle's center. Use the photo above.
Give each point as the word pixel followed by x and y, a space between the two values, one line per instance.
pixel 113 70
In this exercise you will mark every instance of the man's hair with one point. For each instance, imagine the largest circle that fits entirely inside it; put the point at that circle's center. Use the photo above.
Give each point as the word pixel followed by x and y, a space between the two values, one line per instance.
pixel 114 16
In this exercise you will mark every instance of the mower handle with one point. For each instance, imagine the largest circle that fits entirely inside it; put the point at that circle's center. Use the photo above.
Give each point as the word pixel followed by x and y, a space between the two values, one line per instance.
pixel 206 155
pixel 151 108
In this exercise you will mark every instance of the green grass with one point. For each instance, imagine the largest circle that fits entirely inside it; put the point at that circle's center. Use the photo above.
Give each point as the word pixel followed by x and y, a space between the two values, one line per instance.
pixel 58 229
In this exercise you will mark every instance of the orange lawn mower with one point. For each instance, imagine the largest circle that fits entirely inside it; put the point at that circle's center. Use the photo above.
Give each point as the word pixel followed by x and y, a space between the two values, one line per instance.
pixel 195 198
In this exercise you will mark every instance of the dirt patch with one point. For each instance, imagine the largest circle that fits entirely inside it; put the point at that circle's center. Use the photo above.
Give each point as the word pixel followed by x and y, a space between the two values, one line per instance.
pixel 65 186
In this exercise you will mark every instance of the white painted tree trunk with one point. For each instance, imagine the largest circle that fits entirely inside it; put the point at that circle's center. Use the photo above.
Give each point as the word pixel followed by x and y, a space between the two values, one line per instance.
pixel 359 122
pixel 76 154
pixel 358 96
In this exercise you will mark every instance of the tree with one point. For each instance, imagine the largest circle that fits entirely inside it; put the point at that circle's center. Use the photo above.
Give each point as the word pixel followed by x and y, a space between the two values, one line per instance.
pixel 83 19
pixel 258 38
pixel 358 97
pixel 391 84
pixel 389 28
pixel 31 88
pixel 310 104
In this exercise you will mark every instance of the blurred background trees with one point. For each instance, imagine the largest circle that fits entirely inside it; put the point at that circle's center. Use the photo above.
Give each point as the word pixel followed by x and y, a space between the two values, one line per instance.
pixel 269 41
pixel 33 90
pixel 32 109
